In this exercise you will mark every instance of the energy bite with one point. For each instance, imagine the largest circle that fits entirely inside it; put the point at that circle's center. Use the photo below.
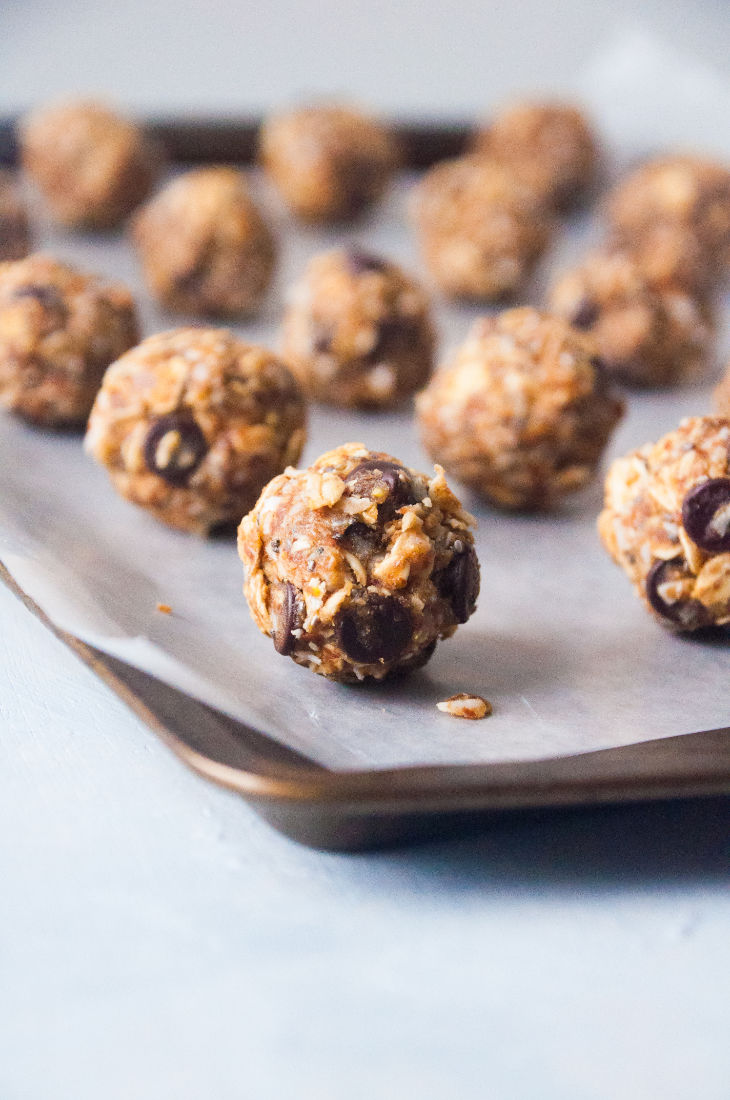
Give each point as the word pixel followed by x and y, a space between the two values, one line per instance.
pixel 329 163
pixel 358 330
pixel 666 522
pixel 481 230
pixel 549 146
pixel 522 412
pixel 675 207
pixel 14 228
pixel 91 165
pixel 204 246
pixel 192 423
pixel 59 331
pixel 646 334
pixel 358 565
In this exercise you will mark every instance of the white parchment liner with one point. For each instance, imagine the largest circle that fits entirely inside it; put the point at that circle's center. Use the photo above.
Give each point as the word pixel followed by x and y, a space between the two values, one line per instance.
pixel 559 644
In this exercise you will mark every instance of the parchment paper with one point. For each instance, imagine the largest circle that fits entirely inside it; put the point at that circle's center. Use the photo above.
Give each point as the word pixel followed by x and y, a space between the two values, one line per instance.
pixel 559 644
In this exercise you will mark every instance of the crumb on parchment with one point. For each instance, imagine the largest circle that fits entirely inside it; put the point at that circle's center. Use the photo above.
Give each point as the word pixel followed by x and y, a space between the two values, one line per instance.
pixel 463 705
pixel 164 608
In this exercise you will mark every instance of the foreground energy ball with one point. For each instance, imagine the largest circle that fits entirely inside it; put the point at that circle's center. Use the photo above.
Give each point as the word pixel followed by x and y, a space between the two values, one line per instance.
pixel 549 147
pixel 92 166
pixel 358 565
pixel 523 411
pixel 328 163
pixel 481 231
pixel 646 334
pixel 672 208
pixel 192 423
pixel 358 331
pixel 14 229
pixel 666 522
pixel 204 246
pixel 59 331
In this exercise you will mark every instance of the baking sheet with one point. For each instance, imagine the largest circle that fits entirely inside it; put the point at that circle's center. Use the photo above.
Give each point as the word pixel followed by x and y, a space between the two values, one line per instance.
pixel 559 644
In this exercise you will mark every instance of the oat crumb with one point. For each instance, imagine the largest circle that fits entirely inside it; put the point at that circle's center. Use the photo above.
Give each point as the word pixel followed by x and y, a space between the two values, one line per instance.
pixel 164 608
pixel 462 705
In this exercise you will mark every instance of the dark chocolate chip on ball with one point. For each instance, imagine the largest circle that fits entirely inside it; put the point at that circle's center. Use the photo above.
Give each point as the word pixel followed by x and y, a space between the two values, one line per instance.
pixel 359 261
pixel 174 448
pixel 586 314
pixel 374 627
pixel 363 480
pixel 46 296
pixel 706 515
pixel 394 336
pixel 459 583
pixel 687 614
pixel 359 539
pixel 285 618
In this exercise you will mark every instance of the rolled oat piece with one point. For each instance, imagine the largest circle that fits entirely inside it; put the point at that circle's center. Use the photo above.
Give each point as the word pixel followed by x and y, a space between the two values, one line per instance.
pixel 59 331
pixel 14 227
pixel 675 211
pixel 357 566
pixel 192 423
pixel 92 165
pixel 204 245
pixel 481 231
pixel 647 334
pixel 522 412
pixel 358 330
pixel 550 147
pixel 329 163
pixel 666 522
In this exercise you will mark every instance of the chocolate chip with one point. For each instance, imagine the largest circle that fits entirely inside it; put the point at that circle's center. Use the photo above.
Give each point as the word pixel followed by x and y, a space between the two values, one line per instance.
pixel 706 515
pixel 47 296
pixel 394 335
pixel 363 480
pixel 359 539
pixel 586 314
pixel 459 583
pixel 687 614
pixel 360 262
pixel 285 618
pixel 373 627
pixel 321 338
pixel 174 448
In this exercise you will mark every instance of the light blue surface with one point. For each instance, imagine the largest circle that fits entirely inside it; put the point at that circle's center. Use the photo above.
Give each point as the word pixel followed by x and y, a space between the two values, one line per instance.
pixel 156 939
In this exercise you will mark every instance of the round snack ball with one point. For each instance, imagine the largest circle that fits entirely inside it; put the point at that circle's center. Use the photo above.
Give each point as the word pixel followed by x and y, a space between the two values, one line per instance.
pixel 358 565
pixel 192 423
pixel 328 163
pixel 481 231
pixel 669 255
pixel 204 246
pixel 59 331
pixel 676 212
pixel 666 522
pixel 358 331
pixel 646 334
pixel 522 412
pixel 549 146
pixel 14 229
pixel 91 165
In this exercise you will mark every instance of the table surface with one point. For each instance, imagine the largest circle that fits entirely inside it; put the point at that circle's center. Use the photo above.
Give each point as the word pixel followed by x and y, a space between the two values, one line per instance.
pixel 156 938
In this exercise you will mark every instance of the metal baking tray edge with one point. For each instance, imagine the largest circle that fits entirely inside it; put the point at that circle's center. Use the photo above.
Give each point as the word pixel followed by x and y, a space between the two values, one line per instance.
pixel 353 810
